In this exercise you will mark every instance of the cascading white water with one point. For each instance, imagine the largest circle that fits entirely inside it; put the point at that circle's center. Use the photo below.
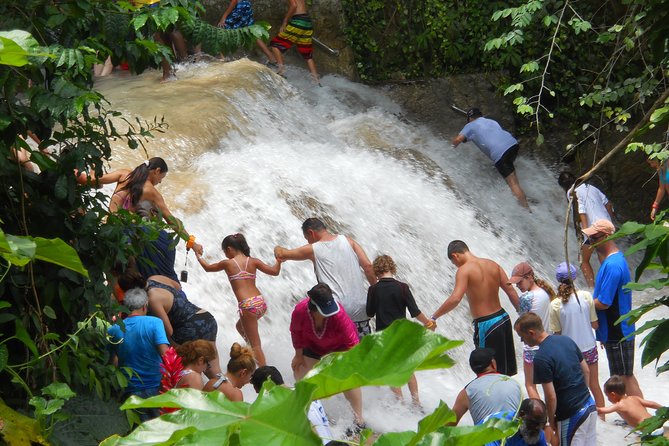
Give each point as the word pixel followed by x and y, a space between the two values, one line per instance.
pixel 249 152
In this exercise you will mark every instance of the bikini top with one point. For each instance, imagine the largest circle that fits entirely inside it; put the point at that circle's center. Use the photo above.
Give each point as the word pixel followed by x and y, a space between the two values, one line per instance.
pixel 242 274
pixel 182 309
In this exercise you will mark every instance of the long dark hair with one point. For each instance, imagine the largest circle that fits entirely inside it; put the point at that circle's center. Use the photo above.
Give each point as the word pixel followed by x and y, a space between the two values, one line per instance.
pixel 238 242
pixel 134 184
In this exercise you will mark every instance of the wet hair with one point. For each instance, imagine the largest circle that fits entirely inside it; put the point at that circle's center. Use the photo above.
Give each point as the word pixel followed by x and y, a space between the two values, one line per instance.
pixel 384 264
pixel 457 246
pixel 191 351
pixel 566 180
pixel 615 384
pixel 264 373
pixel 131 278
pixel 134 184
pixel 236 241
pixel 241 358
pixel 529 321
pixel 546 287
pixel 135 299
pixel 314 224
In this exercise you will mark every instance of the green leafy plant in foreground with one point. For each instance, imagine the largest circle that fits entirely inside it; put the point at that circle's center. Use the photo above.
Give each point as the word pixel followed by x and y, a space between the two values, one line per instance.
pixel 278 415
pixel 654 241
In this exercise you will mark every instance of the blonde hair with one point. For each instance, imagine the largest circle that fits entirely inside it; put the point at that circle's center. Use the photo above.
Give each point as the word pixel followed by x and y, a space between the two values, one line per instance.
pixel 241 358
pixel 546 287
pixel 565 290
pixel 384 264
pixel 191 351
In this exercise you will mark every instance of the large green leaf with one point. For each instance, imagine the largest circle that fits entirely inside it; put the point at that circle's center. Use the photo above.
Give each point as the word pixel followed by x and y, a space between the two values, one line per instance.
pixel 277 417
pixel 491 430
pixel 19 430
pixel 15 47
pixel 388 357
pixel 437 419
pixel 58 252
pixel 656 343
pixel 21 250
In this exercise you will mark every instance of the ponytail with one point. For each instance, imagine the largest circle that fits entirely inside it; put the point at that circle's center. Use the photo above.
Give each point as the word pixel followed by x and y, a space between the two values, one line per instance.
pixel 565 290
pixel 134 184
pixel 546 287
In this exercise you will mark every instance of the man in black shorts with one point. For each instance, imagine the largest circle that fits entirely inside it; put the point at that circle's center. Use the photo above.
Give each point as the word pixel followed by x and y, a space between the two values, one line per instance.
pixel 497 144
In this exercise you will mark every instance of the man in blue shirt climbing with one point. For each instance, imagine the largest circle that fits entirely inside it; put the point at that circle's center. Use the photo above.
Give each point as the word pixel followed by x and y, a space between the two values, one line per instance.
pixel 497 144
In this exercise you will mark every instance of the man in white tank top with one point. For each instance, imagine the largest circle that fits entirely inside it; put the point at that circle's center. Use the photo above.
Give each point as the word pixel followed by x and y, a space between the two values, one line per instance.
pixel 340 262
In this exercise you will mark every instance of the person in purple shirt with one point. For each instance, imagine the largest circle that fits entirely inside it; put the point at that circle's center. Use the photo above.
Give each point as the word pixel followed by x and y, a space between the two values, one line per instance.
pixel 497 144
pixel 318 326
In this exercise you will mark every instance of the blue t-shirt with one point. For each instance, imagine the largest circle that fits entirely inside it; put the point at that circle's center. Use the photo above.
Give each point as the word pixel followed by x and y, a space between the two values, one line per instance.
pixel 611 277
pixel 558 360
pixel 137 348
pixel 489 137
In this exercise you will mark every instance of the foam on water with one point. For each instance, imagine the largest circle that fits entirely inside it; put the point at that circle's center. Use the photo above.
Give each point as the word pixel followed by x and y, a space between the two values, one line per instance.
pixel 249 152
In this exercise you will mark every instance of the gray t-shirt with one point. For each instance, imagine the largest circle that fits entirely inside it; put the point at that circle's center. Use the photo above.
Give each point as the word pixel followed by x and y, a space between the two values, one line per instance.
pixel 336 264
pixel 492 393
pixel 489 137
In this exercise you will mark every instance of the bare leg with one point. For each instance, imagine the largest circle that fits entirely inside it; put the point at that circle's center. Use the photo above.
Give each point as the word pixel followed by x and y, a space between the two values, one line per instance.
pixel 516 190
pixel 413 390
pixel 165 64
pixel 354 397
pixel 398 393
pixel 249 324
pixel 279 60
pixel 309 364
pixel 594 386
pixel 632 386
pixel 586 269
pixel 528 371
pixel 266 51
pixel 312 69
pixel 179 43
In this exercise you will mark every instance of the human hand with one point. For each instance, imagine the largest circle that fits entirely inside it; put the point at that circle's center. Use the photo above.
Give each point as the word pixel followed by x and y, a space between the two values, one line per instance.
pixel 198 249
pixel 278 253
pixel 653 211
pixel 282 28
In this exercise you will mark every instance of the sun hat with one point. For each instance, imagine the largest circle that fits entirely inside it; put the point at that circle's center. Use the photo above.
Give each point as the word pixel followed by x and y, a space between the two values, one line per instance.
pixel 563 272
pixel 321 296
pixel 521 271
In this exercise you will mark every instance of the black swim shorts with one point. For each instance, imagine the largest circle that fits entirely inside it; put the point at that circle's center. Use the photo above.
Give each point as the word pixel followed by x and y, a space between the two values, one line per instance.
pixel 621 357
pixel 311 354
pixel 505 164
pixel 199 326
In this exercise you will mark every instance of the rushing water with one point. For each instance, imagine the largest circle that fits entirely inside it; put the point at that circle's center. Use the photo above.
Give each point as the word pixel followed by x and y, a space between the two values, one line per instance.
pixel 250 152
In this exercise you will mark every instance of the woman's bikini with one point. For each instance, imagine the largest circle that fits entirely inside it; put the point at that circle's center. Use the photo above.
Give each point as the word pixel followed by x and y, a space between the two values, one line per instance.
pixel 255 305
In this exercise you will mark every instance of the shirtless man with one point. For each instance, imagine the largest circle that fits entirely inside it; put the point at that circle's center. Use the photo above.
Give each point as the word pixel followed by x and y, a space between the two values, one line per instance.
pixel 480 279
pixel 296 29
pixel 340 262
pixel 631 408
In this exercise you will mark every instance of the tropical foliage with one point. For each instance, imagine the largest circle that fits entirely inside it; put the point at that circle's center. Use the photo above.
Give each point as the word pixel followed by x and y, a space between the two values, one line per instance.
pixel 57 242
pixel 278 415
pixel 598 67
pixel 412 39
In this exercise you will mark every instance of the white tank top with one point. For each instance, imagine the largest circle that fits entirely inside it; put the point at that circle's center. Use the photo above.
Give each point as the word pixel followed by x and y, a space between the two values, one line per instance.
pixel 336 264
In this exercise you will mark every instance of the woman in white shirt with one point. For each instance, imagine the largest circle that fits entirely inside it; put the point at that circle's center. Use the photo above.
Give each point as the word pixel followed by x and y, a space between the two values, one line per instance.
pixel 573 314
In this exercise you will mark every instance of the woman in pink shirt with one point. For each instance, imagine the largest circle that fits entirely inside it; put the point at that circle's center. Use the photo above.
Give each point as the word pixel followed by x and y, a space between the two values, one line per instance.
pixel 318 326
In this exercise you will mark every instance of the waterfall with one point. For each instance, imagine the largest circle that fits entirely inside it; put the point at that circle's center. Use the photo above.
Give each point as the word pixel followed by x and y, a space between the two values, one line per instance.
pixel 253 153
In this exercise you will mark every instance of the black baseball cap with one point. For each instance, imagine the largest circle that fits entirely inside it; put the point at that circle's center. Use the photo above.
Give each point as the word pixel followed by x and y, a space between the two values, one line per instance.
pixel 480 359
pixel 473 113
pixel 322 298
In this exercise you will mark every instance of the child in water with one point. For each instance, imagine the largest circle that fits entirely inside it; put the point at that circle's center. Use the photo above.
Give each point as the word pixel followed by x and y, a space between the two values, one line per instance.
pixel 631 408
pixel 252 306
pixel 388 300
